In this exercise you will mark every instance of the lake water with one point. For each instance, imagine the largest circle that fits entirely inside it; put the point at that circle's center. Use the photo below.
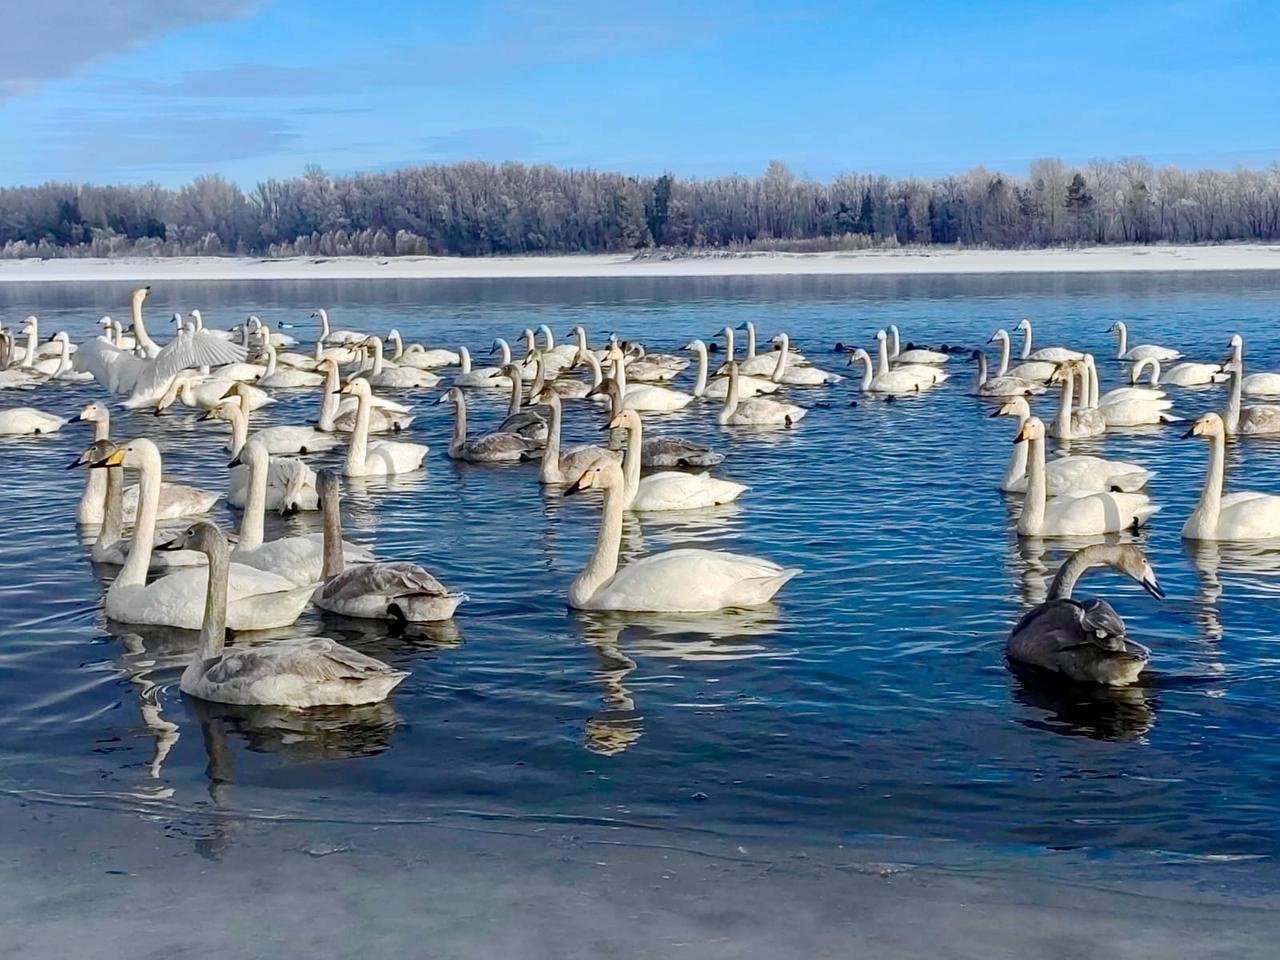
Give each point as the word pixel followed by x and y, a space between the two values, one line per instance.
pixel 870 700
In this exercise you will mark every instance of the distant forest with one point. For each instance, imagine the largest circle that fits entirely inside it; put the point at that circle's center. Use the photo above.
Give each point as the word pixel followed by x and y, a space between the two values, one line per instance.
pixel 477 209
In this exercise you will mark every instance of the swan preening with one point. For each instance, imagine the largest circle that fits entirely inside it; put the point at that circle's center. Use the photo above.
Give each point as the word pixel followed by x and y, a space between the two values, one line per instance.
pixel 1085 641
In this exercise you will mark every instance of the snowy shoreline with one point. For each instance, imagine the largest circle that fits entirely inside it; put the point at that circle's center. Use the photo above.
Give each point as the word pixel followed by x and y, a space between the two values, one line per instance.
pixel 914 261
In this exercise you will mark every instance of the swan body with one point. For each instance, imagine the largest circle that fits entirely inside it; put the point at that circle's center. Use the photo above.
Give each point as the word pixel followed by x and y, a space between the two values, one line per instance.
pixel 894 382
pixel 416 355
pixel 396 378
pixel 567 467
pixel 1253 420
pixel 275 377
pixel 295 672
pixel 674 581
pixel 1071 475
pixel 479 378
pixel 1244 515
pixel 1045 354
pixel 258 600
pixel 1084 641
pixel 297 559
pixel 642 397
pixel 29 422
pixel 669 490
pixel 1145 351
pixel 915 355
pixel 378 590
pixel 338 414
pixel 283 439
pixel 1188 374
pixel 379 457
pixel 1067 516
pixel 1006 386
pixel 497 447
pixel 1072 424
pixel 718 389
pixel 756 411
pixel 201 393
pixel 794 376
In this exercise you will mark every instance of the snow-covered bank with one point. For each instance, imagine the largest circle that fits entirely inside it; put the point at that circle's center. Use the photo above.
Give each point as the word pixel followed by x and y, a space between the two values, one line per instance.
pixel 921 260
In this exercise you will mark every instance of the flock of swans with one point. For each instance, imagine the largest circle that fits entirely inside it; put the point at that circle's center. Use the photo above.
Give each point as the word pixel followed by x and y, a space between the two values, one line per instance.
pixel 206 581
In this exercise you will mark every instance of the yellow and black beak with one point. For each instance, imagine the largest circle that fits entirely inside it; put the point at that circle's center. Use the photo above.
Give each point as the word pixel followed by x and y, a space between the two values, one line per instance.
pixel 113 459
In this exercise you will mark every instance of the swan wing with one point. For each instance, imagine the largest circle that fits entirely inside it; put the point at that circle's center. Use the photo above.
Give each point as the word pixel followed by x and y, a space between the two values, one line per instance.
pixel 693 580
pixel 313 660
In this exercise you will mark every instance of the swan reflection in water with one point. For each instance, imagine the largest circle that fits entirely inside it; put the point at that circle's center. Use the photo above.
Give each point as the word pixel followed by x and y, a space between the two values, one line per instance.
pixel 726 636
pixel 1253 568
pixel 1082 709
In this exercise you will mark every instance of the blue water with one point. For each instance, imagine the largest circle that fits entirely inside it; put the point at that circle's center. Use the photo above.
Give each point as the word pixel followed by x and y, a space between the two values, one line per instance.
pixel 871 699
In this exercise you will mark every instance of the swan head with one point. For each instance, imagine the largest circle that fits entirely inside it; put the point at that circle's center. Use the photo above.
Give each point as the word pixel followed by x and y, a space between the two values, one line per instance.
pixel 95 412
pixel 254 453
pixel 133 454
pixel 357 386
pixel 1117 327
pixel 1032 429
pixel 140 295
pixel 203 536
pixel 452 395
pixel 1024 325
pixel 602 475
pixel 859 355
pixel 97 451
pixel 1209 425
pixel 547 395
pixel 1132 562
pixel 697 346
pixel 106 321
pixel 626 420
pixel 1064 370
pixel 999 335
pixel 1014 407
pixel 881 336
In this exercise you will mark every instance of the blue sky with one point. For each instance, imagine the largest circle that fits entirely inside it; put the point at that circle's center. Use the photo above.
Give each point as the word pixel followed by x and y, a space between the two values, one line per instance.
pixel 164 90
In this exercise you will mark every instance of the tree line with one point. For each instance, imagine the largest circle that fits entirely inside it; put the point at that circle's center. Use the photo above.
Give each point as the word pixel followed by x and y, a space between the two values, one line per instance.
pixel 477 209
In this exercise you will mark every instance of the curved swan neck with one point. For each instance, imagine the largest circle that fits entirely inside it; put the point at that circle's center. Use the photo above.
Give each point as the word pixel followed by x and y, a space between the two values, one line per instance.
pixel 271 358
pixel 730 395
pixel 603 564
pixel 394 337
pixel 331 503
pixel 700 385
pixel 134 572
pixel 751 339
pixel 140 334
pixel 376 345
pixel 882 354
pixel 1094 390
pixel 239 427
pixel 96 489
pixel 867 373
pixel 1122 334
pixel 213 628
pixel 781 366
pixel 620 371
pixel 464 360
pixel 897 342
pixel 597 374
pixel 1026 339
pixel 1077 565
pixel 1209 507
pixel 255 504
pixel 982 370
pixel 539 376
pixel 1004 353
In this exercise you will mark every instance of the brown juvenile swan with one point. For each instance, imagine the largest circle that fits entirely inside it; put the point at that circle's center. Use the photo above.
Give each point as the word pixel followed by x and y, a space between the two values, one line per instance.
pixel 1085 640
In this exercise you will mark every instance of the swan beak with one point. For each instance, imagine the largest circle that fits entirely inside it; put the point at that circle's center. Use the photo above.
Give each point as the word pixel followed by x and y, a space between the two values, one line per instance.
pixel 77 462
pixel 1022 435
pixel 1150 584
pixel 234 462
pixel 1191 432
pixel 998 413
pixel 174 544
pixel 114 459
pixel 443 398
pixel 207 415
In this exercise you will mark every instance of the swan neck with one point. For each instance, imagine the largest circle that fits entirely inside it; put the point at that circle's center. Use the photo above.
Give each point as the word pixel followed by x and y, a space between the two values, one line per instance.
pixel 377 356
pixel 1122 332
pixel 239 427
pixel 459 439
pixel 134 572
pixel 1026 340
pixel 140 333
pixel 549 472
pixel 1064 408
pixel 1232 419
pixel 631 464
pixel 113 507
pixel 1017 468
pixel 517 392
pixel 255 504
pixel 1209 507
pixel 1004 356
pixel 982 371
pixel 882 353
pixel 866 372
pixel 1075 567
pixel 399 344
pixel 897 342
pixel 751 340
pixel 358 449
pixel 603 563
pixel 213 628
pixel 334 562
pixel 329 401
pixel 1033 505
pixel 781 366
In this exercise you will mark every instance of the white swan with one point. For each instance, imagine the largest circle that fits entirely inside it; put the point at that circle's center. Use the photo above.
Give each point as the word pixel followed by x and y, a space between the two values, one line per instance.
pixel 403 592
pixel 1072 423
pixel 416 355
pixel 795 376
pixel 562 468
pixel 1050 354
pixel 1069 516
pixel 205 393
pixel 895 382
pixel 110 547
pixel 1243 515
pixel 1143 351
pixel 395 378
pixel 338 413
pixel 177 500
pixel 662 451
pixel 58 367
pixel 278 440
pixel 1259 419
pixel 1067 475
pixel 1183 375
pixel 642 396
pixel 1130 406
pixel 258 600
pixel 295 672
pixel 756 411
pixel 718 388
pixel 367 458
pixel 329 335
pixel 755 364
pixel 916 355
pixel 499 447
pixel 281 341
pixel 925 373
pixel 295 558
pixel 479 378
pixel 984 386
pixel 11 379
pixel 674 581
pixel 275 377
pixel 1253 384
pixel 560 356
pixel 1038 371
pixel 29 422
pixel 529 421
pixel 668 490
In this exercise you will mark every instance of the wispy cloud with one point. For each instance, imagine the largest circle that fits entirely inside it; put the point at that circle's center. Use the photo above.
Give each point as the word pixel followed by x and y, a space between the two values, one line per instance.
pixel 47 39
